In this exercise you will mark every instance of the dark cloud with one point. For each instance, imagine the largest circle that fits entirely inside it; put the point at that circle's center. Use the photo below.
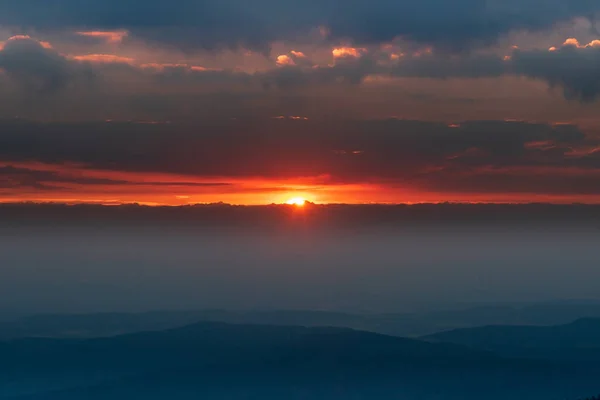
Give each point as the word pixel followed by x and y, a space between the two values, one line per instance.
pixel 35 67
pixel 574 68
pixel 212 24
pixel 354 70
pixel 20 177
pixel 169 89
pixel 439 67
pixel 475 156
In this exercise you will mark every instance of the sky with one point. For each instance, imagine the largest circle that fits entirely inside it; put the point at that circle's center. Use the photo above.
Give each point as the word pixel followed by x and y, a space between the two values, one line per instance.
pixel 333 101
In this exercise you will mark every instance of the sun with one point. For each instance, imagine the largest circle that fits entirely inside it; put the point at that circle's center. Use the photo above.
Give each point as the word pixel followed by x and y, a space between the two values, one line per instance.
pixel 296 201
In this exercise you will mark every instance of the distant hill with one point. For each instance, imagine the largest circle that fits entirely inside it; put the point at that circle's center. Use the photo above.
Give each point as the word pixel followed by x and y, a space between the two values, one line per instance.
pixel 407 325
pixel 211 360
pixel 579 339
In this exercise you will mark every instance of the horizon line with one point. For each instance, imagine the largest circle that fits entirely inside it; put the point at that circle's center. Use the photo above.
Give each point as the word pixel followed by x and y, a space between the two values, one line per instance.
pixel 287 205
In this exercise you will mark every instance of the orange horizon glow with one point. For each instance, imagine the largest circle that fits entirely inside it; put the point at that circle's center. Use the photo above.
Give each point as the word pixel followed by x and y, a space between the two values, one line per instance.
pixel 386 197
pixel 82 184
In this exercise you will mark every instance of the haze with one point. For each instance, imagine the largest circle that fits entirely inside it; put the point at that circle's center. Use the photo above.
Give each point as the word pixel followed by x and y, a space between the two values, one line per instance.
pixel 298 260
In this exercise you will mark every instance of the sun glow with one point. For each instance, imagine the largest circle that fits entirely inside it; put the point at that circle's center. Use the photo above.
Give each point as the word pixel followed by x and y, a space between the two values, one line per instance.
pixel 296 201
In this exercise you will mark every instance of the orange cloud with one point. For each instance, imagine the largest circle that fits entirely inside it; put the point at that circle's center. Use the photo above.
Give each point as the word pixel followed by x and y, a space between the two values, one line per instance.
pixel 113 37
pixel 575 43
pixel 46 45
pixel 341 52
pixel 594 43
pixel 298 54
pixel 163 66
pixel 572 42
pixel 19 37
pixel 103 58
pixel 284 60
pixel 203 69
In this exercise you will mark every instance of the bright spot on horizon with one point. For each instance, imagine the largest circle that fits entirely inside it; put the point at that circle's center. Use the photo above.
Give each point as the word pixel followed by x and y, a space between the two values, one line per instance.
pixel 296 201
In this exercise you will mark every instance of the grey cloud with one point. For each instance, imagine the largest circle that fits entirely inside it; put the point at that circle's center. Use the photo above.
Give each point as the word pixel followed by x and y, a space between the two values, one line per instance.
pixel 344 71
pixel 212 24
pixel 468 66
pixel 574 69
pixel 34 67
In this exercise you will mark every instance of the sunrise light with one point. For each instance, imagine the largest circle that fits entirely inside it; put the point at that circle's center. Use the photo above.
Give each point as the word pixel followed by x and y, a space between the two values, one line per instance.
pixel 296 201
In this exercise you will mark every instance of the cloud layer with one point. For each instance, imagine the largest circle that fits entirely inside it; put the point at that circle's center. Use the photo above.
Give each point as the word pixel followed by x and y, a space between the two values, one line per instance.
pixel 213 24
pixel 36 66
pixel 470 157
